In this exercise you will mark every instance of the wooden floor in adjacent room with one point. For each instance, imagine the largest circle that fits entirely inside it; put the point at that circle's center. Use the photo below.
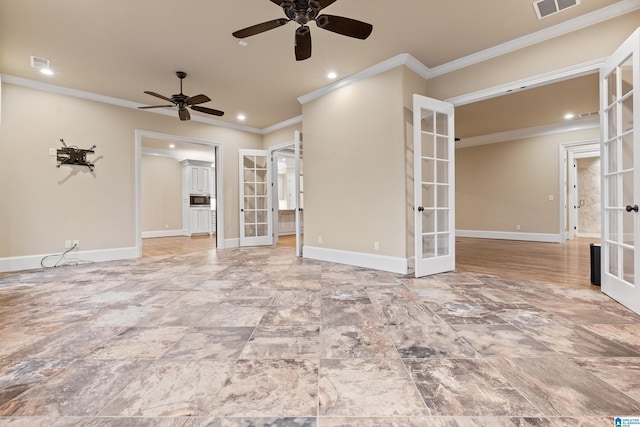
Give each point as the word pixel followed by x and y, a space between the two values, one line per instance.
pixel 565 264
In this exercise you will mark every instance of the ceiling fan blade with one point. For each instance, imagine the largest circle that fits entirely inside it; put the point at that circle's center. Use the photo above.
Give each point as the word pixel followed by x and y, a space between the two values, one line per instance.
pixel 157 95
pixel 303 43
pixel 207 110
pixel 156 106
pixel 345 26
pixel 198 99
pixel 184 114
pixel 260 28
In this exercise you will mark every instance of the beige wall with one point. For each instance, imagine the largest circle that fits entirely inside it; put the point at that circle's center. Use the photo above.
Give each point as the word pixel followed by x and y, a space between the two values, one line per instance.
pixel 42 206
pixel 281 136
pixel 161 193
pixel 500 186
pixel 355 177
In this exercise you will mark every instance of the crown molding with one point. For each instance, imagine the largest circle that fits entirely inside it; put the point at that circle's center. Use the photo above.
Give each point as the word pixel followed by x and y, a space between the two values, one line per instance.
pixel 531 132
pixel 61 90
pixel 573 71
pixel 379 68
pixel 592 18
pixel 282 125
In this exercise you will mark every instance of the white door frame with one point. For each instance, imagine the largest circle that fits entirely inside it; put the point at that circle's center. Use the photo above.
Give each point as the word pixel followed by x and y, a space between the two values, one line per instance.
pixel 139 134
pixel 567 153
pixel 295 145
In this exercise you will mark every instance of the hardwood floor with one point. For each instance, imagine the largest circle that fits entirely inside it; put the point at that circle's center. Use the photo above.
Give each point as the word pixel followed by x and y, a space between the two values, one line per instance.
pixel 177 245
pixel 181 244
pixel 564 264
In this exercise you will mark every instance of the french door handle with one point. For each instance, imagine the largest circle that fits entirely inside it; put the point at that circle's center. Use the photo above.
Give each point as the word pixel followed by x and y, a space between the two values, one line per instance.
pixel 420 209
pixel 630 208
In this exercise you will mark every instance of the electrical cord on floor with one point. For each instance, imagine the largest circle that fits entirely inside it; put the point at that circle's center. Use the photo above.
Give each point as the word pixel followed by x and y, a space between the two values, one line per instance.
pixel 68 261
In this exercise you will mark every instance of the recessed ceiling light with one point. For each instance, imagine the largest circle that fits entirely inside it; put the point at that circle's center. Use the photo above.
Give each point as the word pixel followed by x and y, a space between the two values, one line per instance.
pixel 46 71
pixel 241 117
pixel 243 43
pixel 332 75
pixel 172 145
pixel 569 116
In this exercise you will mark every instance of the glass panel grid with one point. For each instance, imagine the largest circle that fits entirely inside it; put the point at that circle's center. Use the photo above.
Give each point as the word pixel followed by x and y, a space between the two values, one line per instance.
pixel 435 184
pixel 619 227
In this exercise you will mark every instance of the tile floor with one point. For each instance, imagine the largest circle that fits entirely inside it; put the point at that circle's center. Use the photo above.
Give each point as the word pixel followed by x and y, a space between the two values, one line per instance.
pixel 256 337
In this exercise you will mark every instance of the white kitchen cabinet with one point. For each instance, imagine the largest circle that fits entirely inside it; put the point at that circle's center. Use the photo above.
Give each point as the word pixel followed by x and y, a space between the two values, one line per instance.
pixel 197 176
pixel 200 180
pixel 200 220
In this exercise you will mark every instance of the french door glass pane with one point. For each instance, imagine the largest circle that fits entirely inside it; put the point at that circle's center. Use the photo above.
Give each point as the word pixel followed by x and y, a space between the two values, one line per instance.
pixel 626 76
pixel 612 91
pixel 428 196
pixel 443 244
pixel 428 145
pixel 428 222
pixel 442 124
pixel 628 272
pixel 627 151
pixel 428 171
pixel 612 120
pixel 442 147
pixel 443 196
pixel 428 246
pixel 627 114
pixel 443 172
pixel 612 155
pixel 443 220
pixel 613 259
pixel 612 187
pixel 613 224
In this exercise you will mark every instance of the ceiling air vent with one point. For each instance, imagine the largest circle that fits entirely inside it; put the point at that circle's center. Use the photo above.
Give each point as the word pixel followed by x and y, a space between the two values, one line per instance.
pixel 39 63
pixel 587 115
pixel 545 8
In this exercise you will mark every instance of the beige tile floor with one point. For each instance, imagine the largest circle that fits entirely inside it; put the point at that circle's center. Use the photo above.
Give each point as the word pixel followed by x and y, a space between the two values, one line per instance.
pixel 256 337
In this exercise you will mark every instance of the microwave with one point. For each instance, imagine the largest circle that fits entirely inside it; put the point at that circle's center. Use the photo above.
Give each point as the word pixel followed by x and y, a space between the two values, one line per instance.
pixel 199 200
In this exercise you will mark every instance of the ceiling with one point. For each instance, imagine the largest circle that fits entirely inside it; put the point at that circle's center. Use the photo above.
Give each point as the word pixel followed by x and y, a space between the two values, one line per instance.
pixel 121 48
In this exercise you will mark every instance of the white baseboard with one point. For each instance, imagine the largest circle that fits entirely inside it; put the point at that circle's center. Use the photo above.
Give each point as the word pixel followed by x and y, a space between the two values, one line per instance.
pixel 590 235
pixel 506 235
pixel 162 233
pixel 375 262
pixel 31 262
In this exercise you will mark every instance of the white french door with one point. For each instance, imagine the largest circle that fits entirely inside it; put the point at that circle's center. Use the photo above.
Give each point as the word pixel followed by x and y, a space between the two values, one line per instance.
pixel 434 193
pixel 620 154
pixel 256 225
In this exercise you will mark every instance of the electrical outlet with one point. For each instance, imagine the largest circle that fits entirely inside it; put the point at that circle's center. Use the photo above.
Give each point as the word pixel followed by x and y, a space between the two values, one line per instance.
pixel 75 243
pixel 67 244
pixel 376 246
pixel 518 227
pixel 52 152
pixel 551 197
pixel 319 240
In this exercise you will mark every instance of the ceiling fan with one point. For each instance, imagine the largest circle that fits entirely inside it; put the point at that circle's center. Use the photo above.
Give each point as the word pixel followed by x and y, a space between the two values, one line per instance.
pixel 303 11
pixel 183 101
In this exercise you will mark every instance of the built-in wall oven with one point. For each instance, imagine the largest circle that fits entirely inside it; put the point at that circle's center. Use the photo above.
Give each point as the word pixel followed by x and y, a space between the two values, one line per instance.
pixel 199 200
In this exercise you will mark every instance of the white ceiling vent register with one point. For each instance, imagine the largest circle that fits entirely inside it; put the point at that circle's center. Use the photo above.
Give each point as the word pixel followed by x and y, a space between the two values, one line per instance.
pixel 40 63
pixel 545 8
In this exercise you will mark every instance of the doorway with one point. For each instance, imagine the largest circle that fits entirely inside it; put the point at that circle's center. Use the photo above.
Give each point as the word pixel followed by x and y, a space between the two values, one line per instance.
pixel 163 195
pixel 288 195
